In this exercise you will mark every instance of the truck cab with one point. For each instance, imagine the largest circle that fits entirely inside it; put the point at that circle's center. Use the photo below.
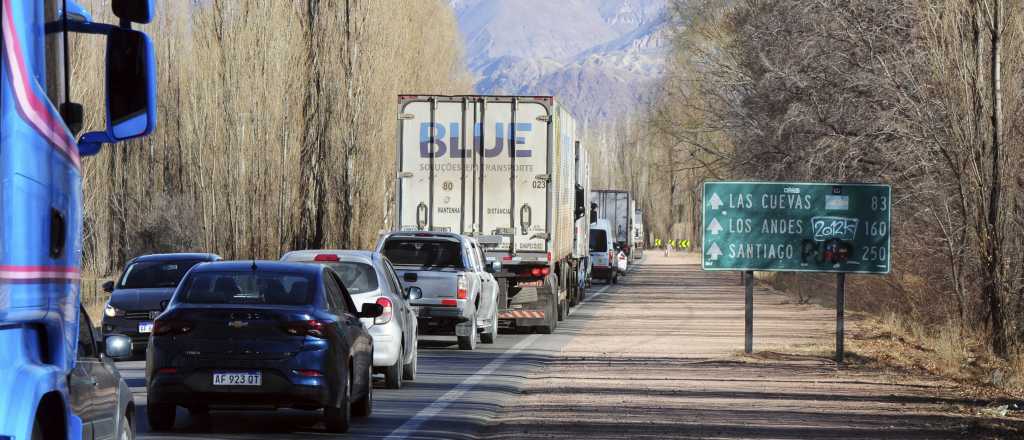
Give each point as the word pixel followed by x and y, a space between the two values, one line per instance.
pixel 48 386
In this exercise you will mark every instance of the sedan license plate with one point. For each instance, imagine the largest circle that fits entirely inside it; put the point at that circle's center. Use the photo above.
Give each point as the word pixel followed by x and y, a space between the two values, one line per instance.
pixel 145 327
pixel 238 378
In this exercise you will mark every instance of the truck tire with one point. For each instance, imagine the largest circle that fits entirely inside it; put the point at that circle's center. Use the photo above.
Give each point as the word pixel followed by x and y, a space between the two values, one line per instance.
pixel 550 317
pixel 160 415
pixel 469 342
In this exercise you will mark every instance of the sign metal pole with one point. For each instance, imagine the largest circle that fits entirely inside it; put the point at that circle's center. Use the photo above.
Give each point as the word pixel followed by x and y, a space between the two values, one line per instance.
pixel 840 300
pixel 748 345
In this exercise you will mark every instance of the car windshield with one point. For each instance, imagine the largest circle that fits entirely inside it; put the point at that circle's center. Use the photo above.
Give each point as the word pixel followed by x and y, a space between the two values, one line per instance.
pixel 248 287
pixel 424 253
pixel 357 277
pixel 154 274
pixel 598 240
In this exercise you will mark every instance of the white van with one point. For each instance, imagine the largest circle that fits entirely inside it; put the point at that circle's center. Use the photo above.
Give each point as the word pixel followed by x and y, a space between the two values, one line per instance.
pixel 603 258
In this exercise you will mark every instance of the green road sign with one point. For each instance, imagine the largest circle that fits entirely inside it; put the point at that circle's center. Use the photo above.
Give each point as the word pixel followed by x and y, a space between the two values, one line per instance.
pixel 802 227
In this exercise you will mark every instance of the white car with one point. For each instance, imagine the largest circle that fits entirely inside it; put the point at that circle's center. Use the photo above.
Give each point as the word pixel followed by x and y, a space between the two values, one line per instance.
pixel 369 277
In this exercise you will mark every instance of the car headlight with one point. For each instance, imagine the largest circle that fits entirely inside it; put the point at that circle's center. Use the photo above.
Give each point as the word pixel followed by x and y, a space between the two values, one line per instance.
pixel 110 311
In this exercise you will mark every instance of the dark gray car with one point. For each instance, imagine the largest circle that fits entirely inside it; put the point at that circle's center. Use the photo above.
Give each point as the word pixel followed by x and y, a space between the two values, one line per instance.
pixel 136 298
pixel 98 394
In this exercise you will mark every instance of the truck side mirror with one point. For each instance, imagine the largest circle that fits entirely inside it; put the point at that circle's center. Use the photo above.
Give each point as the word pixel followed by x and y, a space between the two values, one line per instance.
pixel 136 11
pixel 131 90
pixel 108 287
pixel 581 204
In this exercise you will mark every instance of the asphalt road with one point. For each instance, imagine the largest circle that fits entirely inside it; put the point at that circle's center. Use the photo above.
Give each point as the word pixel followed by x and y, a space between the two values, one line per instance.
pixel 455 393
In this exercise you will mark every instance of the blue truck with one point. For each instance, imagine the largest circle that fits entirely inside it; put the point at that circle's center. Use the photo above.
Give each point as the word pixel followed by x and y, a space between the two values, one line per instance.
pixel 57 381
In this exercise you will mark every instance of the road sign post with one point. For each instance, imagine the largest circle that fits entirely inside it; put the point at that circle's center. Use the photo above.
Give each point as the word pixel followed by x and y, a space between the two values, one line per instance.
pixel 797 227
pixel 748 317
pixel 840 306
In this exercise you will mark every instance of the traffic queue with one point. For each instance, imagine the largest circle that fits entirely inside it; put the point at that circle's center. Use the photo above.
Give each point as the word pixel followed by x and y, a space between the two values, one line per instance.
pixel 311 331
pixel 307 332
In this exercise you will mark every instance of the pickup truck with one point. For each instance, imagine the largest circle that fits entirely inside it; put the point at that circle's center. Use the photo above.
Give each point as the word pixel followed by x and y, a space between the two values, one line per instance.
pixel 449 285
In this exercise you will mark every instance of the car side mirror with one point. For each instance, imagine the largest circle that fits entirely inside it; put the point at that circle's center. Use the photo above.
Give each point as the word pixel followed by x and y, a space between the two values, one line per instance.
pixel 413 293
pixel 371 310
pixel 494 267
pixel 117 347
pixel 131 90
pixel 108 287
pixel 163 304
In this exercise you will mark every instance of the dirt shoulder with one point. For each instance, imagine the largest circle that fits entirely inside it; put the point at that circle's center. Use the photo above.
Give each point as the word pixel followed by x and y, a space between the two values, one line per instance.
pixel 659 357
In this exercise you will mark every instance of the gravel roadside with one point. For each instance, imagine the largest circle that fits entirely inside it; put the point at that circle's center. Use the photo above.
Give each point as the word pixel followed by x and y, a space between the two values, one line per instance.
pixel 659 356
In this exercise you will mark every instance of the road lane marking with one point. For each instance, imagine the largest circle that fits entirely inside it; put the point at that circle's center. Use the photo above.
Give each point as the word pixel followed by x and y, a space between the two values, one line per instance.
pixel 411 426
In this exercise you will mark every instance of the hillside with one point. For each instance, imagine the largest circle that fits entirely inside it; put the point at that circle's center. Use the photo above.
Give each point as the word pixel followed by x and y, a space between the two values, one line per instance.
pixel 598 56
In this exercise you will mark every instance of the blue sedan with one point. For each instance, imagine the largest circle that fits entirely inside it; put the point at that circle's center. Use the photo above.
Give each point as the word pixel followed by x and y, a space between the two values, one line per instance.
pixel 261 335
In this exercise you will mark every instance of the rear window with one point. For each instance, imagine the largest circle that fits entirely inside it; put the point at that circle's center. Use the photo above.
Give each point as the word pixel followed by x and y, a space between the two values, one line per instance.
pixel 424 253
pixel 286 289
pixel 357 277
pixel 154 274
pixel 598 240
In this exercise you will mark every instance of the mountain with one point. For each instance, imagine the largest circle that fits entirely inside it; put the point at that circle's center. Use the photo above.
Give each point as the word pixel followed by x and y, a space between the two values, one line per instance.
pixel 599 57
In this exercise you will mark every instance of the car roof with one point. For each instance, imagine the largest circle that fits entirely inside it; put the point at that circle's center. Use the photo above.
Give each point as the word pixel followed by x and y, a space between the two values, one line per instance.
pixel 427 235
pixel 343 255
pixel 177 257
pixel 261 266
pixel 601 224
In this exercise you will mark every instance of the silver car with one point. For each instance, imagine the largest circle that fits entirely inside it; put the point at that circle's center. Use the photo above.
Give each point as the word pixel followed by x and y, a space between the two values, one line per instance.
pixel 369 277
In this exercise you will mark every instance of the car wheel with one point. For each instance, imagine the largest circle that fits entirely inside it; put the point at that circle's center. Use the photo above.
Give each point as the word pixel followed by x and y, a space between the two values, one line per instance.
pixel 364 407
pixel 338 419
pixel 469 342
pixel 491 334
pixel 127 429
pixel 393 373
pixel 409 370
pixel 160 415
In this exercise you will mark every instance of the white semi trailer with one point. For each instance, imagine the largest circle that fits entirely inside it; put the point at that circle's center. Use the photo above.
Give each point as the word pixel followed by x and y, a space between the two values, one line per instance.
pixel 504 170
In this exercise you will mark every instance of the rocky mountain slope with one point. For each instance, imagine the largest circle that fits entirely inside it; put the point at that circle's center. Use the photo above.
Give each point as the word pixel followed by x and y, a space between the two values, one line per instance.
pixel 598 56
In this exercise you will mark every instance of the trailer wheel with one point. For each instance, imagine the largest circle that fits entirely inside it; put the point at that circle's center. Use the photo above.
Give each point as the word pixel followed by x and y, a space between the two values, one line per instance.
pixel 550 316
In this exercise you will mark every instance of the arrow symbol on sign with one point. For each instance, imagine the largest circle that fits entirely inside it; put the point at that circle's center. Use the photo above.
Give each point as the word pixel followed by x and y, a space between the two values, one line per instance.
pixel 714 252
pixel 715 227
pixel 715 201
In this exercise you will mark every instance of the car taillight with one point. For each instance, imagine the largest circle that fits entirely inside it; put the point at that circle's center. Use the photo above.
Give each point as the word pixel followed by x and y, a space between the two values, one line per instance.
pixel 389 311
pixel 326 257
pixel 311 327
pixel 308 373
pixel 171 327
pixel 460 293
